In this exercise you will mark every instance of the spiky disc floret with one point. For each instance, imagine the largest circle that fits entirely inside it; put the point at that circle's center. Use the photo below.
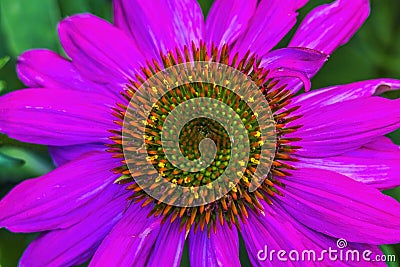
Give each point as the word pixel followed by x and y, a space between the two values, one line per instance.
pixel 233 206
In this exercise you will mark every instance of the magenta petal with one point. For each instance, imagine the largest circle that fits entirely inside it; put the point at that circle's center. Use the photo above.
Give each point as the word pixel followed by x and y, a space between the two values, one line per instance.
pixel 100 51
pixel 220 249
pixel 340 207
pixel 273 230
pixel 272 20
pixel 130 17
pixel 160 25
pixel 340 93
pixel 134 234
pixel 227 20
pixel 44 68
pixel 345 126
pixel 64 154
pixel 56 117
pixel 296 59
pixel 383 144
pixel 187 21
pixel 277 230
pixel 60 198
pixel 378 168
pixel 77 243
pixel 168 246
pixel 331 25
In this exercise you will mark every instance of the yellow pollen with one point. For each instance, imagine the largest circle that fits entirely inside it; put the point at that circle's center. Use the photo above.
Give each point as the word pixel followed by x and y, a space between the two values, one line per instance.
pixel 161 165
pixel 254 161
pixel 233 186
pixel 151 158
pixel 173 183
pixel 148 137
pixel 196 194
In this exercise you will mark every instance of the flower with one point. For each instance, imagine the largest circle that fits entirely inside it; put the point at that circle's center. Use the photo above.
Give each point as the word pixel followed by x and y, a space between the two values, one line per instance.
pixel 330 162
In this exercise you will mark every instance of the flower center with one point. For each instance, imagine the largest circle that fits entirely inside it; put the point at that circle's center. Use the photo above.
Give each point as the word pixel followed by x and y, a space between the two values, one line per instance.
pixel 203 139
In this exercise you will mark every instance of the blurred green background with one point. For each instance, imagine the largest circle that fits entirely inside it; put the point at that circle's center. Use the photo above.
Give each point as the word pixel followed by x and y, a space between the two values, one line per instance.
pixel 25 24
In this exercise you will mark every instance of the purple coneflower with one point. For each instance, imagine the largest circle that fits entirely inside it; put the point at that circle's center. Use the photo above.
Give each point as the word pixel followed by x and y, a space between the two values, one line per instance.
pixel 330 162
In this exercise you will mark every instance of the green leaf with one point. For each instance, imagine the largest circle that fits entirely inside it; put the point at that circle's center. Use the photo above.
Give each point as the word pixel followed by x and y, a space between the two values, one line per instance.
pixel 4 61
pixel 7 161
pixel 390 250
pixel 11 247
pixel 69 7
pixel 205 6
pixel 27 24
pixel 19 163
pixel 101 8
pixel 3 86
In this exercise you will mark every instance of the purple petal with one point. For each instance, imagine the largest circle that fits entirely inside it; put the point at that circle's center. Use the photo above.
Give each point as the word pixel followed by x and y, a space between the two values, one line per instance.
pixel 340 93
pixel 340 207
pixel 266 234
pixel 383 144
pixel 272 20
pixel 56 117
pixel 64 154
pixel 345 126
pixel 220 249
pixel 160 25
pixel 286 77
pixel 130 17
pixel 77 243
pixel 378 168
pixel 169 245
pixel 321 242
pixel 60 198
pixel 135 235
pixel 273 230
pixel 296 59
pixel 300 3
pixel 331 25
pixel 44 68
pixel 101 52
pixel 227 20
